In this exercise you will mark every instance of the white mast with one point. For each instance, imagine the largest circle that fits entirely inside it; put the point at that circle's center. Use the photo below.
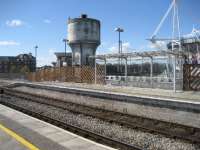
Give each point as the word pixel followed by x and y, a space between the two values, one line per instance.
pixel 175 30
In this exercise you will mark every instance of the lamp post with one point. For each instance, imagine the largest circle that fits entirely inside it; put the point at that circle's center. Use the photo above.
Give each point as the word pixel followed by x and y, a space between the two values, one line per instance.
pixel 65 41
pixel 119 30
pixel 36 47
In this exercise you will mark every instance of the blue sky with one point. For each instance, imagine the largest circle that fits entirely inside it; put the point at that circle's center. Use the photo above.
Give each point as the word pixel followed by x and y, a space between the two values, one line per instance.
pixel 25 23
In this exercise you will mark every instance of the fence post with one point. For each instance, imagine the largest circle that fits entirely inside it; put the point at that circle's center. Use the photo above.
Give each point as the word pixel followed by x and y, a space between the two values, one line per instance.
pixel 59 73
pixel 126 72
pixel 95 72
pixel 65 73
pixel 105 68
pixel 151 72
pixel 174 74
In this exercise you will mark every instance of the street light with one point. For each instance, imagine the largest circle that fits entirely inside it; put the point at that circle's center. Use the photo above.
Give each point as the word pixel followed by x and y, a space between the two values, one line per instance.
pixel 119 30
pixel 36 47
pixel 65 41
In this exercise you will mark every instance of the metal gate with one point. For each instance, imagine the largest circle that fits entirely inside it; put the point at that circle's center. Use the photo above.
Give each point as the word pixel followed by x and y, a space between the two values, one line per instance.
pixel 191 77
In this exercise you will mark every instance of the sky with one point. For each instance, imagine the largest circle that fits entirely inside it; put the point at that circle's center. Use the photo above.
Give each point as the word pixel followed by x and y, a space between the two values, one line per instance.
pixel 26 23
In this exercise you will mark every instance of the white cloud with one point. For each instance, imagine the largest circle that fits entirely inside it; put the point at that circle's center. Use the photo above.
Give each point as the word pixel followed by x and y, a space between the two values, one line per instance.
pixel 47 21
pixel 126 47
pixel 103 48
pixel 9 43
pixel 48 59
pixel 158 45
pixel 14 23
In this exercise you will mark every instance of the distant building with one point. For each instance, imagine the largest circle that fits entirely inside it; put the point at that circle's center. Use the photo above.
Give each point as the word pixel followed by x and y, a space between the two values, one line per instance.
pixel 62 59
pixel 187 45
pixel 16 64
pixel 190 43
pixel 191 46
pixel 54 63
pixel 44 67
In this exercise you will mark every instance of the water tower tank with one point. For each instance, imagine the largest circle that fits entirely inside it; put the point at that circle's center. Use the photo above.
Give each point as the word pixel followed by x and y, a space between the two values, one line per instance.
pixel 83 38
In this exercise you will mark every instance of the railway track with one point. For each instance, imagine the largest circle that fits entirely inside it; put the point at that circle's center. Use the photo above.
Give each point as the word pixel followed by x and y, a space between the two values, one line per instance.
pixel 82 132
pixel 171 130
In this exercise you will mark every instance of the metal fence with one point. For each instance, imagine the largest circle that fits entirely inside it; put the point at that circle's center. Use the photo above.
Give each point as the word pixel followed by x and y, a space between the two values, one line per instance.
pixel 83 74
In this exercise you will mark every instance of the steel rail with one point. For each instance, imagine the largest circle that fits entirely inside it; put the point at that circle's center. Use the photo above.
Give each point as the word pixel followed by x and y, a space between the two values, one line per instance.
pixel 171 130
pixel 77 130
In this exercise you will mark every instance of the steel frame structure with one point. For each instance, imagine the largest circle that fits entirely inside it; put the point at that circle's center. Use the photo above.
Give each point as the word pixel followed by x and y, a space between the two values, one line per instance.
pixel 135 55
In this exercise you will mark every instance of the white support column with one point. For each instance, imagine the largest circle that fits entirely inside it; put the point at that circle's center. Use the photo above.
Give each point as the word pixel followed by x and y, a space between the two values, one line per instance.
pixel 174 87
pixel 181 59
pixel 125 68
pixel 168 66
pixel 142 65
pixel 105 67
pixel 198 53
pixel 151 71
pixel 95 71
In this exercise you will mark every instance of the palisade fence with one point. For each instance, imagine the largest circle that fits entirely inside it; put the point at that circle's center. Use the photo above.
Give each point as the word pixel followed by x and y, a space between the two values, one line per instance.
pixel 83 74
pixel 191 77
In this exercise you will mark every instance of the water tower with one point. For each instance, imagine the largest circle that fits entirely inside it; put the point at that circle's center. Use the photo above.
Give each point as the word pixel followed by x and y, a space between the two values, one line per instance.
pixel 83 38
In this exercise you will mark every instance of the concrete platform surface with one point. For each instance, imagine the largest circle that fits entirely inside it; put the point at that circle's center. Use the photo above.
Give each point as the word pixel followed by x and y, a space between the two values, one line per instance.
pixel 9 143
pixel 135 91
pixel 22 132
pixel 193 96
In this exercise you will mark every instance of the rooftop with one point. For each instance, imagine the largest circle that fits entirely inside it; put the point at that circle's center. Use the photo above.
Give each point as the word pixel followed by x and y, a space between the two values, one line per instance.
pixel 62 54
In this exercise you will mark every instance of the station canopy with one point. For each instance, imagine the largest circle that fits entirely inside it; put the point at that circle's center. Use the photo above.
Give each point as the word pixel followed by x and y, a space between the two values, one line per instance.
pixel 149 54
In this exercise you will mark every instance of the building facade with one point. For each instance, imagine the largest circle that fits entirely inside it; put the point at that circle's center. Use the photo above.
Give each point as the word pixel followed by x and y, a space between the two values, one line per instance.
pixel 63 59
pixel 17 64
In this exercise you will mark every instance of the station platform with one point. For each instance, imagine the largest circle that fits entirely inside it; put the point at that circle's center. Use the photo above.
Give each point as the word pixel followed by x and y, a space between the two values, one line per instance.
pixel 22 132
pixel 180 107
pixel 186 96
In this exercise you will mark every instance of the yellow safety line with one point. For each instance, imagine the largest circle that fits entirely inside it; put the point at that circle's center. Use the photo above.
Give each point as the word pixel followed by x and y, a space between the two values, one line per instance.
pixel 18 138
